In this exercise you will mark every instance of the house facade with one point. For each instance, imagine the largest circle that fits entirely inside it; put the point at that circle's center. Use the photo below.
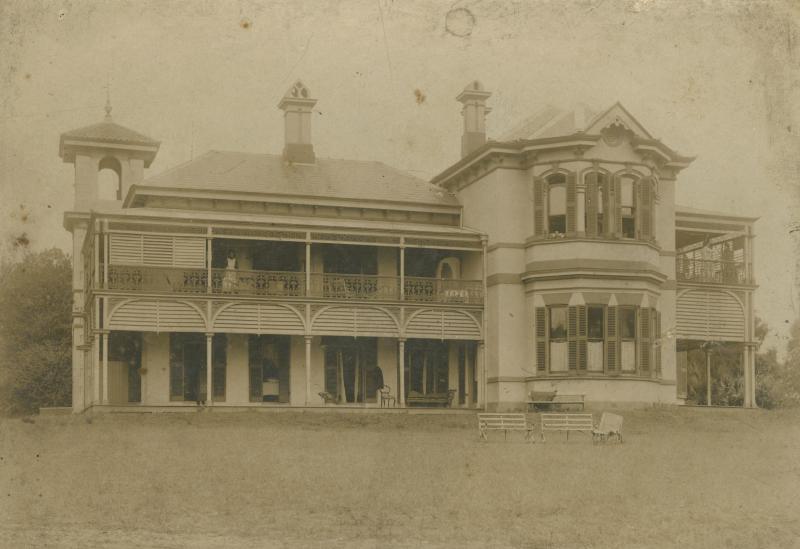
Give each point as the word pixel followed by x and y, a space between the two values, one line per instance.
pixel 554 259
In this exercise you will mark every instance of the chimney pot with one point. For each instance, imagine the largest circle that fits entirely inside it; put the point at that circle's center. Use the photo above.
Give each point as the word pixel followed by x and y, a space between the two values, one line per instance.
pixel 473 97
pixel 297 106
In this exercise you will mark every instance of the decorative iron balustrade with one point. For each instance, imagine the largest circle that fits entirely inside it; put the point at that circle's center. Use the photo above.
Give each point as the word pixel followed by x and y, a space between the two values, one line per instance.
pixel 157 279
pixel 435 290
pixel 710 271
pixel 268 283
pixel 293 284
pixel 358 287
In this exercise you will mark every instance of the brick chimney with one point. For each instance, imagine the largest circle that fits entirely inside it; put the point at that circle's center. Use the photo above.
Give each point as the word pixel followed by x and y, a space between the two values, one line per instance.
pixel 296 106
pixel 474 112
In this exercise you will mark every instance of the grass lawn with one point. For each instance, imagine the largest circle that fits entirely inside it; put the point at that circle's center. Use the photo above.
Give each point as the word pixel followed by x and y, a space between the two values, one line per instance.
pixel 683 478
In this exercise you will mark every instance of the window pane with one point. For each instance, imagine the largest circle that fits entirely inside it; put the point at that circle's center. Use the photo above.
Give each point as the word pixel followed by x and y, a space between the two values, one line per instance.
pixel 558 200
pixel 627 323
pixel 627 192
pixel 557 179
pixel 628 227
pixel 595 322
pixel 557 224
pixel 558 323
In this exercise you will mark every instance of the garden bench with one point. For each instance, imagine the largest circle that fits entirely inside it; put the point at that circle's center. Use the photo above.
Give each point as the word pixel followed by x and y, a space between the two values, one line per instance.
pixel 504 422
pixel 553 400
pixel 443 399
pixel 567 423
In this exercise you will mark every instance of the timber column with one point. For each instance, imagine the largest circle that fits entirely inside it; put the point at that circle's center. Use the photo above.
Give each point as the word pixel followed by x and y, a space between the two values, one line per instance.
pixel 308 370
pixel 209 370
pixel 401 372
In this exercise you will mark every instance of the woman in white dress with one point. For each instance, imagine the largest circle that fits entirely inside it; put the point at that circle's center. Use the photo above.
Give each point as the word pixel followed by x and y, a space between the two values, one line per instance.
pixel 229 280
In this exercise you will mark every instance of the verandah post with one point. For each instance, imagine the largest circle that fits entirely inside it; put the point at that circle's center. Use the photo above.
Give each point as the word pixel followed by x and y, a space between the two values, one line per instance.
pixel 402 268
pixel 308 267
pixel 401 368
pixel 104 399
pixel 209 370
pixel 308 369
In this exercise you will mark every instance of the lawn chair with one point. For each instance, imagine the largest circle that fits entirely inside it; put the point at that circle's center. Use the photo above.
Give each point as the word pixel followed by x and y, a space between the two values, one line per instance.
pixel 386 397
pixel 610 425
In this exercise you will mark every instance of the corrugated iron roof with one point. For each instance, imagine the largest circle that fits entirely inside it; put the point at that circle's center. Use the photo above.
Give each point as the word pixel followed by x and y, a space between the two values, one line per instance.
pixel 268 173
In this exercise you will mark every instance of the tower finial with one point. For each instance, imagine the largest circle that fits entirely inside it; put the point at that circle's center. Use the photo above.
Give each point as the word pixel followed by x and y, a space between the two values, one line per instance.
pixel 108 101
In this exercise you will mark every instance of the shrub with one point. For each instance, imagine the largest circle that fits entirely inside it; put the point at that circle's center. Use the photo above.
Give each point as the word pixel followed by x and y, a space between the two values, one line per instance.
pixel 35 332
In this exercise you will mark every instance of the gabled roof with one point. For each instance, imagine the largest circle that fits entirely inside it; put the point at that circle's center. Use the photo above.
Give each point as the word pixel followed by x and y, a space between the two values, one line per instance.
pixel 271 174
pixel 551 121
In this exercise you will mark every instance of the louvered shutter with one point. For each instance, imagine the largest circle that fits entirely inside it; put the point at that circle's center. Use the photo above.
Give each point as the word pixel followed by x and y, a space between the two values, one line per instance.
pixel 582 338
pixel 591 204
pixel 572 337
pixel 572 204
pixel 612 358
pixel 644 341
pixel 644 220
pixel 125 249
pixel 541 339
pixel 538 206
pixel 681 372
pixel 219 365
pixel 658 342
pixel 608 208
pixel 616 200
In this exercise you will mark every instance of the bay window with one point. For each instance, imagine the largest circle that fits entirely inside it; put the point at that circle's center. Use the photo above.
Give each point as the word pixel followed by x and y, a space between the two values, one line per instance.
pixel 597 339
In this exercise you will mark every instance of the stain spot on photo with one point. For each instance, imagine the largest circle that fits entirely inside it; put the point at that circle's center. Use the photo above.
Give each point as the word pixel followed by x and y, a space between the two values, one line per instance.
pixel 459 22
pixel 420 96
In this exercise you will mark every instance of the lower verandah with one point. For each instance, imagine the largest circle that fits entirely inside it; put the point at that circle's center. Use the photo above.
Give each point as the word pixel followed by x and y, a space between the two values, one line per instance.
pixel 168 369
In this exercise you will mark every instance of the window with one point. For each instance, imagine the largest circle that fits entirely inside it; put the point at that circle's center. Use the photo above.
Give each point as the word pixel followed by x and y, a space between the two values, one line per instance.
pixel 557 203
pixel 601 183
pixel 558 339
pixel 627 203
pixel 627 335
pixel 595 337
pixel 269 359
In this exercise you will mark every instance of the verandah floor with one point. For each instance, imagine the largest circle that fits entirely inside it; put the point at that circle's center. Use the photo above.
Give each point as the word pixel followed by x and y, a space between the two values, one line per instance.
pixel 683 478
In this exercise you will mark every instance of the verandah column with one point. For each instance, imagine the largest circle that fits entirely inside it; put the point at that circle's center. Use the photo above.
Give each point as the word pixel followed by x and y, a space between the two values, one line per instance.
pixel 308 269
pixel 308 370
pixel 401 368
pixel 209 370
pixel 480 373
pixel 105 367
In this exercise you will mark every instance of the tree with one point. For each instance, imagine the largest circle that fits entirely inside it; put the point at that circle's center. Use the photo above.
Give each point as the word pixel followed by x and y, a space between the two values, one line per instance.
pixel 35 332
pixel 778 383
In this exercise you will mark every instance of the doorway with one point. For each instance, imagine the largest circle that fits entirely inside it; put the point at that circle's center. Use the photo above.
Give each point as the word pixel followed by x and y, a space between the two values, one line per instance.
pixel 352 374
pixel 187 365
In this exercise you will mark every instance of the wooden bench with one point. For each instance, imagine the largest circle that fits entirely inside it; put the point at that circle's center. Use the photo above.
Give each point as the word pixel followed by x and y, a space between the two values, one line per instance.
pixel 435 399
pixel 554 400
pixel 567 423
pixel 504 422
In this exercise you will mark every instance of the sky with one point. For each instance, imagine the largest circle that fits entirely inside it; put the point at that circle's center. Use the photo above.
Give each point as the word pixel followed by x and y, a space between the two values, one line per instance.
pixel 717 80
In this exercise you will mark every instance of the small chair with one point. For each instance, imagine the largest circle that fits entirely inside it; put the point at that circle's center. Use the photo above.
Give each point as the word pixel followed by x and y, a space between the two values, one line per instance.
pixel 386 397
pixel 327 398
pixel 610 425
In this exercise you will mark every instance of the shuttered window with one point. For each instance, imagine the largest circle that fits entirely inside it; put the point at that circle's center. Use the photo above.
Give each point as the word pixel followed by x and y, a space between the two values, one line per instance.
pixel 538 206
pixel 557 203
pixel 541 339
pixel 657 341
pixel 612 363
pixel 645 349
pixel 572 337
pixel 592 204
pixel 572 204
pixel 582 335
pixel 157 250
pixel 645 200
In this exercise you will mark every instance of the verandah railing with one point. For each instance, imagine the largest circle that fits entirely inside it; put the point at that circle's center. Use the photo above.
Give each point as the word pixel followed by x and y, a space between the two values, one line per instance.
pixel 710 271
pixel 293 284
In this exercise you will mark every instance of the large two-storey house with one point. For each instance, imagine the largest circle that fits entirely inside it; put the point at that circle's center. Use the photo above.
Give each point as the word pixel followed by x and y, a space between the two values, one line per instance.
pixel 552 259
